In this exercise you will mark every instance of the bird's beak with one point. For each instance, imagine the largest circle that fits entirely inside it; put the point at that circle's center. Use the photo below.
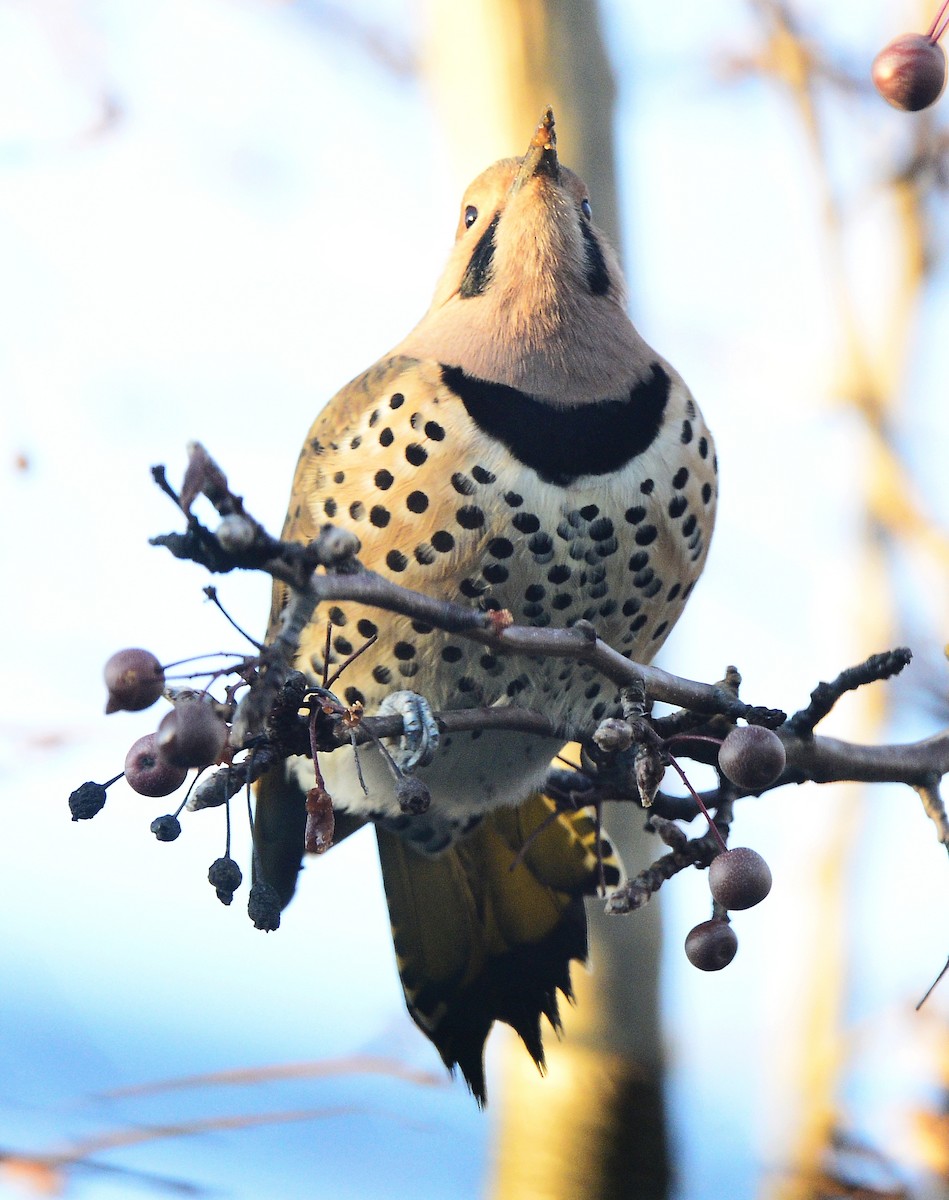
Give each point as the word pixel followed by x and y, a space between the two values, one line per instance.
pixel 541 157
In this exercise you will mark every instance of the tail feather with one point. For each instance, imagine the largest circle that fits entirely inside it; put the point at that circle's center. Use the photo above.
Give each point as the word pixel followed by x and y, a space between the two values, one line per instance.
pixel 486 931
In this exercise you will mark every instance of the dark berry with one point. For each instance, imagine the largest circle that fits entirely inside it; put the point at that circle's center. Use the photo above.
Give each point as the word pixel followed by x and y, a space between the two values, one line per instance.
pixel 752 757
pixel 166 828
pixel 192 735
pixel 224 875
pixel 86 801
pixel 711 945
pixel 910 73
pixel 263 906
pixel 739 878
pixel 148 773
pixel 135 680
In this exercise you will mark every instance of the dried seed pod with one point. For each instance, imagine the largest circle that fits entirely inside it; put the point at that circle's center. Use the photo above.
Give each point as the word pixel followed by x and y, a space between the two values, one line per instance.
pixel 166 828
pixel 225 876
pixel 86 801
pixel 413 796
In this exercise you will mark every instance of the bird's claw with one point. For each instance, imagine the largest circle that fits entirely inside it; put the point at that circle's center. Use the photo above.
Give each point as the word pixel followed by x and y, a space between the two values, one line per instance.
pixel 420 733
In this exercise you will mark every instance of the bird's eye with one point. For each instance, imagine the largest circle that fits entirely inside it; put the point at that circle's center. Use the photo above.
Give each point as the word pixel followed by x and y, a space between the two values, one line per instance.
pixel 471 215
pixel 586 209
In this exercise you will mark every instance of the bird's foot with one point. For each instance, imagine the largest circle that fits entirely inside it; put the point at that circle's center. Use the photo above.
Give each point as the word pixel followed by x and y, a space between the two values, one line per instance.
pixel 420 732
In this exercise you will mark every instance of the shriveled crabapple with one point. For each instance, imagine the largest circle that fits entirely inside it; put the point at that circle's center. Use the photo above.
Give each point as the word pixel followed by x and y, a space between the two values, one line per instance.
pixel 225 876
pixel 192 734
pixel 752 756
pixel 711 945
pixel 166 828
pixel 910 73
pixel 148 772
pixel 739 878
pixel 135 679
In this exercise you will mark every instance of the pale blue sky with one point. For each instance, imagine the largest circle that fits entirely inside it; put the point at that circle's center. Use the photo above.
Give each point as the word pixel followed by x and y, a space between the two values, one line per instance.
pixel 213 266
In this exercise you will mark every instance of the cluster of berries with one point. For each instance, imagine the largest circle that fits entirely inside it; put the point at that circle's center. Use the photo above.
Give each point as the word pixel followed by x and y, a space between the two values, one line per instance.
pixel 192 736
pixel 752 757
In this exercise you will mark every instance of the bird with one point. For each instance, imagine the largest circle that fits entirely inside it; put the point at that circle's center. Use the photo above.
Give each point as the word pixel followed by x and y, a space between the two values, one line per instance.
pixel 522 449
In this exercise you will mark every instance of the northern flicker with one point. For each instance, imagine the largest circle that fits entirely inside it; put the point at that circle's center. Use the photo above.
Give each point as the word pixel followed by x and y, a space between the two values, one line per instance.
pixel 522 448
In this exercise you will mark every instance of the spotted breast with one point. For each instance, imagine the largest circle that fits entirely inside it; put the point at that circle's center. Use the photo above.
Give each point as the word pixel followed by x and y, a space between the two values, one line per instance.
pixel 524 449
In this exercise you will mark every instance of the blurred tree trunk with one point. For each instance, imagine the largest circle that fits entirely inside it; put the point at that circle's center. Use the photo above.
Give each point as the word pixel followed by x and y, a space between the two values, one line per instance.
pixel 595 1126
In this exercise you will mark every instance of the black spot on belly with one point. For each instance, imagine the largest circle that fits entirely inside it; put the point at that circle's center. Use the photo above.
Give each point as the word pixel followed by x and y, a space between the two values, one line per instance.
pixel 416 502
pixel 681 477
pixel 483 475
pixel 500 547
pixel 415 454
pixel 357 510
pixel 589 439
pixel 386 437
pixel 443 541
pixel 635 514
pixel 462 484
pixel 434 431
pixel 354 696
pixel 559 574
pixel 396 560
pixel 514 499
pixel 452 654
pixel 470 517
pixel 706 492
pixel 329 507
pixel 495 573
pixel 381 674
pixel 367 629
pixel 646 535
pixel 397 400
pixel 525 522
pixel 337 616
pixel 403 651
pixel 379 516
pixel 677 506
pixel 384 480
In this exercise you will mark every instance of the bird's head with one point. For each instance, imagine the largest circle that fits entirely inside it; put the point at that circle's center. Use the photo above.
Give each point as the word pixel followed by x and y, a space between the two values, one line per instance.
pixel 532 294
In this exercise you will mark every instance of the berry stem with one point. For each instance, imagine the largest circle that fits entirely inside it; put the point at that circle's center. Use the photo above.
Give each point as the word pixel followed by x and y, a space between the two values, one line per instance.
pixel 932 34
pixel 697 798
